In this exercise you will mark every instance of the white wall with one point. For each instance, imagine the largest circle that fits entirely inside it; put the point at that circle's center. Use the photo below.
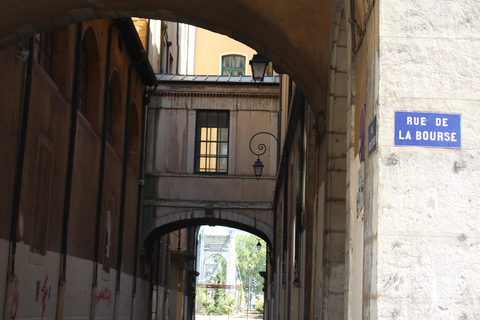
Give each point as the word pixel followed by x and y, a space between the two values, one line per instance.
pixel 3 270
pixel 33 268
pixel 187 49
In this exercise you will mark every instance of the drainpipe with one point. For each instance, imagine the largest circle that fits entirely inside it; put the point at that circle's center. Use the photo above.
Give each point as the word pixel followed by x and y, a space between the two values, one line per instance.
pixel 285 217
pixel 178 47
pixel 140 193
pixel 167 58
pixel 68 183
pixel 279 123
pixel 279 146
pixel 18 183
pixel 101 175
pixel 147 40
pixel 126 144
pixel 300 185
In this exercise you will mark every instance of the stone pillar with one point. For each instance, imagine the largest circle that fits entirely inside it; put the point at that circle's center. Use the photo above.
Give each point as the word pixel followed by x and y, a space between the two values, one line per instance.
pixel 334 254
pixel 425 234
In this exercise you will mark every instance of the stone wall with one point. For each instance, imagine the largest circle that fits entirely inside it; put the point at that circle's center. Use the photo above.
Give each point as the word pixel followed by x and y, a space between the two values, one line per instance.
pixel 428 222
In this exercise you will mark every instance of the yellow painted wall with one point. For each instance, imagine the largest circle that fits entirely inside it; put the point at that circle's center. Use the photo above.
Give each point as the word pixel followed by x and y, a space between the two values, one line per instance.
pixel 209 48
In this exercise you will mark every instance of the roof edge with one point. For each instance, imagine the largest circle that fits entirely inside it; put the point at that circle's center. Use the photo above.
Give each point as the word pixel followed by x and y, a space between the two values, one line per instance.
pixel 136 50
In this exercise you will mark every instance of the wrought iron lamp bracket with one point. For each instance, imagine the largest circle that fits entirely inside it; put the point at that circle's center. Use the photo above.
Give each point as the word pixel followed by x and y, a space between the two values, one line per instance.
pixel 262 148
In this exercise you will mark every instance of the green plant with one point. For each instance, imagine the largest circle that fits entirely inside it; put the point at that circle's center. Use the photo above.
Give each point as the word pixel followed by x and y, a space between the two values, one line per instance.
pixel 250 261
pixel 259 304
pixel 201 299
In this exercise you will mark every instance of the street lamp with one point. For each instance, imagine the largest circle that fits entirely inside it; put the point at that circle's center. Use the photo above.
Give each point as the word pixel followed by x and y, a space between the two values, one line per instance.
pixel 262 148
pixel 259 65
pixel 258 168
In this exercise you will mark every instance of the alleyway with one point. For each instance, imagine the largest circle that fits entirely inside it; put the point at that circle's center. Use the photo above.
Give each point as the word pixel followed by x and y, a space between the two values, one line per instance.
pixel 237 317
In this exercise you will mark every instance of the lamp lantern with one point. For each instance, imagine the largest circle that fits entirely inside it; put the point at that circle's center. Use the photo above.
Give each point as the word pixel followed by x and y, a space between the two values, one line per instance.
pixel 258 168
pixel 259 246
pixel 259 65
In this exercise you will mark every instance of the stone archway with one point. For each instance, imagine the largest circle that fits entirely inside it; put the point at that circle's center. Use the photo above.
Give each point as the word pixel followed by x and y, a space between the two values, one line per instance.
pixel 246 220
pixel 295 35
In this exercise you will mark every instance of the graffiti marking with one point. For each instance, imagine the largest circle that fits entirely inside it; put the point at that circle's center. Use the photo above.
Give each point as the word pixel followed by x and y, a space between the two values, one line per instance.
pixel 44 291
pixel 104 294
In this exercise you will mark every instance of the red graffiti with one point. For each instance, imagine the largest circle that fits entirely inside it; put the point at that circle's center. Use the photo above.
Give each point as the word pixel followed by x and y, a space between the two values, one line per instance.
pixel 44 291
pixel 16 299
pixel 105 294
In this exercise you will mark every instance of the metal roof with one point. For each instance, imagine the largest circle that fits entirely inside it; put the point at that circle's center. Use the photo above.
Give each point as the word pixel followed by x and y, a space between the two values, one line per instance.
pixel 215 79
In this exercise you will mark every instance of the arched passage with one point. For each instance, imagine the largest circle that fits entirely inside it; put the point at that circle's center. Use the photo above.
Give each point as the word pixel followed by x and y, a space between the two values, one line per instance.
pixel 295 35
pixel 288 54
pixel 157 227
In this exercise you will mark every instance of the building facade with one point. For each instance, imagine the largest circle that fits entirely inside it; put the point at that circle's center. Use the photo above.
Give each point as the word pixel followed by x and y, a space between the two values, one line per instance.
pixel 206 177
pixel 216 54
pixel 73 105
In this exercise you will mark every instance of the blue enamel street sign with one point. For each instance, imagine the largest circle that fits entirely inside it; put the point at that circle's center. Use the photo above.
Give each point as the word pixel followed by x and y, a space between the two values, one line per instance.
pixel 421 129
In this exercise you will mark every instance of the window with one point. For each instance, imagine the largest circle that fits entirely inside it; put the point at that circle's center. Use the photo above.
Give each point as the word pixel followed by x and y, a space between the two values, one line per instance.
pixel 108 128
pixel 211 141
pixel 44 50
pixel 83 83
pixel 233 65
pixel 120 42
pixel 115 117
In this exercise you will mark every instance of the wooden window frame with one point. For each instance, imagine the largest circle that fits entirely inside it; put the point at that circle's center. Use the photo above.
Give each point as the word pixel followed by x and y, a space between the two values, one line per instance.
pixel 213 122
pixel 230 71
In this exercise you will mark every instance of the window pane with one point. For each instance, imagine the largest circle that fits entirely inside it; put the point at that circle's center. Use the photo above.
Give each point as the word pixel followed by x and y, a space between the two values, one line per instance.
pixel 226 73
pixel 223 119
pixel 223 150
pixel 202 164
pixel 203 148
pixel 212 136
pixel 223 135
pixel 213 164
pixel 44 50
pixel 228 61
pixel 201 119
pixel 212 150
pixel 222 165
pixel 240 62
pixel 203 134
pixel 212 119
